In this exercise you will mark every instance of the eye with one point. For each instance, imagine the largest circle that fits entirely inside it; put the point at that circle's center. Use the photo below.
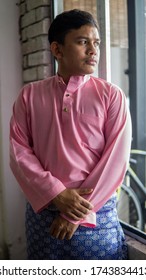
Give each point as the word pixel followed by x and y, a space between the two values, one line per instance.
pixel 83 42
pixel 97 43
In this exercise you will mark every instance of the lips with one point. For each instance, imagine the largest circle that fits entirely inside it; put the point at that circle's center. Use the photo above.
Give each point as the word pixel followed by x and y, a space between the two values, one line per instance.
pixel 91 62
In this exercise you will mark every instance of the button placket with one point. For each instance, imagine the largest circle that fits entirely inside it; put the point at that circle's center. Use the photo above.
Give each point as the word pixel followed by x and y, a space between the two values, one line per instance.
pixel 67 102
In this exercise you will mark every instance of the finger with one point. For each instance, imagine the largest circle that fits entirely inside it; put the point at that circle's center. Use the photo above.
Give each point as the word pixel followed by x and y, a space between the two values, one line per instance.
pixel 62 235
pixel 54 230
pixel 55 233
pixel 82 191
pixel 69 235
pixel 72 216
pixel 81 212
pixel 78 213
pixel 86 204
pixel 51 229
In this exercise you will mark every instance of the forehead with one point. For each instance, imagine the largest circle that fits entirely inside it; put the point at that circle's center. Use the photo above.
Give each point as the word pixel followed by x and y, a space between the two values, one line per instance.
pixel 87 31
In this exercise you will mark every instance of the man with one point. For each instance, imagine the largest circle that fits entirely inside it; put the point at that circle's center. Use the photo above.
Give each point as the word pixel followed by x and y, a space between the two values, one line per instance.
pixel 70 143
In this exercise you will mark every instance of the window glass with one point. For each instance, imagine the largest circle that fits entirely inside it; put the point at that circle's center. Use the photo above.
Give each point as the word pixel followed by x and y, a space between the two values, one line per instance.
pixel 119 43
pixel 89 6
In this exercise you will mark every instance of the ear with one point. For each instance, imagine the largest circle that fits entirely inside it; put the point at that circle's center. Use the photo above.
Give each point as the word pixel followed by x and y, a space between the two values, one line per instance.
pixel 56 50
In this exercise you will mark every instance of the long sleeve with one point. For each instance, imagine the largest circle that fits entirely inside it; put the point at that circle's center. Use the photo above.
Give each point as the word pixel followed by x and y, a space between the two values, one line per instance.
pixel 109 173
pixel 38 185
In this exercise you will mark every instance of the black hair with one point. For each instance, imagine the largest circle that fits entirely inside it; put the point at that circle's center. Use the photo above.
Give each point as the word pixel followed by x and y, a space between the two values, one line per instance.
pixel 68 20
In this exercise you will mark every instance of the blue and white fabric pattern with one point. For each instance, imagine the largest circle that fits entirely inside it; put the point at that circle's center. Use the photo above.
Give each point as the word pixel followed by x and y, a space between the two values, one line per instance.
pixel 104 242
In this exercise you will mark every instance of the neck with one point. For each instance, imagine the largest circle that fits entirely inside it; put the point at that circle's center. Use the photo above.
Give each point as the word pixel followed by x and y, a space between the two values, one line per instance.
pixel 64 76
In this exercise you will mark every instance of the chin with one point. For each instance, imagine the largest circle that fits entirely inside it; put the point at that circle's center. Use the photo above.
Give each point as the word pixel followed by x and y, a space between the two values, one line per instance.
pixel 90 70
pixel 85 71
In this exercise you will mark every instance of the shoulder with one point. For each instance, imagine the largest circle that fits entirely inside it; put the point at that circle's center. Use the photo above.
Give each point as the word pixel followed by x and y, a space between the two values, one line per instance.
pixel 41 85
pixel 107 90
pixel 34 93
pixel 105 86
pixel 36 89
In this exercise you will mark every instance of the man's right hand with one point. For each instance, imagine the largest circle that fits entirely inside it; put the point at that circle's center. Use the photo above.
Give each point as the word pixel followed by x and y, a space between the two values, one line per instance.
pixel 71 203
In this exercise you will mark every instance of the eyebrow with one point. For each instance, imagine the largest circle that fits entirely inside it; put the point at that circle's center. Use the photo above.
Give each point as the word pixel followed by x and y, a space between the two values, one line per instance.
pixel 87 38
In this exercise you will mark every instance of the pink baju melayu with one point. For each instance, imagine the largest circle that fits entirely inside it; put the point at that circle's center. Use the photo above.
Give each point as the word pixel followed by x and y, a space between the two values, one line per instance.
pixel 70 136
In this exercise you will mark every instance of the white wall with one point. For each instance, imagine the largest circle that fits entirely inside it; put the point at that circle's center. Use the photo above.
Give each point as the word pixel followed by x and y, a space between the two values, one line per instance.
pixel 11 198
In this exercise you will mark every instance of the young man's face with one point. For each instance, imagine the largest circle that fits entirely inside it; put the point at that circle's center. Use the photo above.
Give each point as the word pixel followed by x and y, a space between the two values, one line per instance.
pixel 80 52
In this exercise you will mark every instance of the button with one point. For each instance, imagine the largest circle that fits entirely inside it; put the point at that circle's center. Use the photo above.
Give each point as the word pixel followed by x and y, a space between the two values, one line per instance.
pixel 65 109
pixel 67 95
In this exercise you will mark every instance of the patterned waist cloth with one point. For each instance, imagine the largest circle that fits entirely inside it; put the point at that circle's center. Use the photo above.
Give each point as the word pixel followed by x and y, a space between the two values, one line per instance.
pixel 104 242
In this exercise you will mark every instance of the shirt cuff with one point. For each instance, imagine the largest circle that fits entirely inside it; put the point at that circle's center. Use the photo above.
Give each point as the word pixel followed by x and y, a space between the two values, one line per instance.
pixel 89 221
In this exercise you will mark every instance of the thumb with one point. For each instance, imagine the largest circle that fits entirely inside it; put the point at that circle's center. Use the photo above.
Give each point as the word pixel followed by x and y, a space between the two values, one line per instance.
pixel 84 191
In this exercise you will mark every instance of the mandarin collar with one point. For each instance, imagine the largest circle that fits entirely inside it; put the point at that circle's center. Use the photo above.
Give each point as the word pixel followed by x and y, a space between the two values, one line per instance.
pixel 74 82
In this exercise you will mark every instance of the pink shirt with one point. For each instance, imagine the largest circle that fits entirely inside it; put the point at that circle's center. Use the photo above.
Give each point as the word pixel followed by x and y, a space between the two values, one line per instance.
pixel 70 136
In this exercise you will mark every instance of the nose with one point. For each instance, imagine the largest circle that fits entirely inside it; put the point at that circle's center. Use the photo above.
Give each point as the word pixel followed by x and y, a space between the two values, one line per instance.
pixel 92 49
